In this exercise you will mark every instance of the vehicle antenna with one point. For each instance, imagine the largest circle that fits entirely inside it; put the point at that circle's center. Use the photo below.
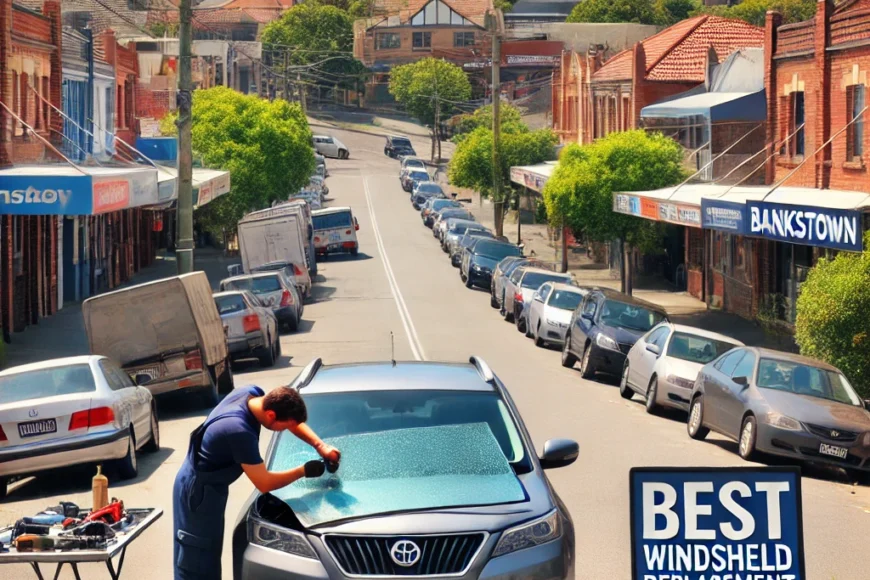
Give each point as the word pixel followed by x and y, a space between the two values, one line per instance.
pixel 392 349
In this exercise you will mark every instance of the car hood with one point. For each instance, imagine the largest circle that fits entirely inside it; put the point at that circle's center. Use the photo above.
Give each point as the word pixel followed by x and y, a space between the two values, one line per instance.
pixel 484 262
pixel 558 315
pixel 682 368
pixel 622 335
pixel 818 411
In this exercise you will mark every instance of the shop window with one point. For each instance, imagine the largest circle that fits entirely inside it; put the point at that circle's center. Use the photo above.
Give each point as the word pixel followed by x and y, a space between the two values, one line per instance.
pixel 461 39
pixel 387 40
pixel 422 40
pixel 796 120
pixel 855 131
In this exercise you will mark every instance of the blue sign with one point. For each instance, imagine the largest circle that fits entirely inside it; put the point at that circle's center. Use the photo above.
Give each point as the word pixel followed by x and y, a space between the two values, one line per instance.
pixel 841 229
pixel 727 216
pixel 46 195
pixel 716 523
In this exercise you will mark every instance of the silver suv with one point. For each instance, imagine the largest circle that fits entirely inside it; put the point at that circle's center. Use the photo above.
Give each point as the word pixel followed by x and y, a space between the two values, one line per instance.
pixel 439 478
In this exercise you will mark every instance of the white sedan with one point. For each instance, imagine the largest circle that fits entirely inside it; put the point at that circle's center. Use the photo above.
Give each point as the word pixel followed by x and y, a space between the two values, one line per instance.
pixel 664 363
pixel 329 146
pixel 71 411
pixel 551 310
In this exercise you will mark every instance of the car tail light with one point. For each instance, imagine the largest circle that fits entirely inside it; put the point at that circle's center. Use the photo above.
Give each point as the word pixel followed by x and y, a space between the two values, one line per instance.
pixel 91 418
pixel 316 238
pixel 250 323
pixel 193 360
pixel 286 300
pixel 3 435
pixel 518 297
pixel 297 270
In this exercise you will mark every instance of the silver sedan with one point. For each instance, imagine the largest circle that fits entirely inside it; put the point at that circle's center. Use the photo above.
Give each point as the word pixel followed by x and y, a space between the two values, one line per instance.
pixel 72 411
pixel 550 312
pixel 251 327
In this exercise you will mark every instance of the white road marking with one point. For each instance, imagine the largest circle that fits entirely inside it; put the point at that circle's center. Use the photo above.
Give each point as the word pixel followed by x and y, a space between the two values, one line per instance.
pixel 404 314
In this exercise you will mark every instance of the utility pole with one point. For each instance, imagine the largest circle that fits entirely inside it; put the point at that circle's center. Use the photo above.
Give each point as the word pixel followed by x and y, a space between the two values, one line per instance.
pixel 498 202
pixel 301 93
pixel 286 80
pixel 184 249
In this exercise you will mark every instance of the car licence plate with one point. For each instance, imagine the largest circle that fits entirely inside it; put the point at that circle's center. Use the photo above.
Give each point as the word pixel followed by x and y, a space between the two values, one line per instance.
pixel 335 237
pixel 833 450
pixel 34 428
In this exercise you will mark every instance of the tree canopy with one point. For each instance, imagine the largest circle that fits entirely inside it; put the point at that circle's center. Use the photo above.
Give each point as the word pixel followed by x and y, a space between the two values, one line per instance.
pixel 511 121
pixel 753 11
pixel 636 11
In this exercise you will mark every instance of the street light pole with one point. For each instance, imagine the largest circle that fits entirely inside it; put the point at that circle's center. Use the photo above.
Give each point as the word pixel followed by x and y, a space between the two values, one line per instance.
pixel 498 203
pixel 184 249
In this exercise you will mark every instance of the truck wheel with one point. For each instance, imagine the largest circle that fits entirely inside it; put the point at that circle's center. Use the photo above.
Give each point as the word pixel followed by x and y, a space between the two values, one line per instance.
pixel 354 251
pixel 225 381
pixel 128 466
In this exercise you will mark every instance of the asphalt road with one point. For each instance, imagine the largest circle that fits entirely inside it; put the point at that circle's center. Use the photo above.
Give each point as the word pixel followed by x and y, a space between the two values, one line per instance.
pixel 402 285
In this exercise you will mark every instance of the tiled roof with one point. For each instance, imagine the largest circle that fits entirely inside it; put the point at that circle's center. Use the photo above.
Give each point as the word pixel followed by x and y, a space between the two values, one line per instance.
pixel 203 18
pixel 679 53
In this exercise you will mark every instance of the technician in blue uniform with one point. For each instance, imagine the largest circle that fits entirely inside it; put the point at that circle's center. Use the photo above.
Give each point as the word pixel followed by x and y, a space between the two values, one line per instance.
pixel 221 449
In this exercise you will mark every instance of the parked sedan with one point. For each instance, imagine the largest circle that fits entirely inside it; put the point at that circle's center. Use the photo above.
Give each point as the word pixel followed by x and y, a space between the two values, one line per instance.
pixel 409 164
pixel 550 312
pixel 782 404
pixel 466 240
pixel 479 261
pixel 296 273
pixel 414 177
pixel 503 271
pixel 604 329
pixel 72 411
pixel 330 146
pixel 396 146
pixel 458 228
pixel 434 517
pixel 320 165
pixel 433 206
pixel 519 294
pixel 275 291
pixel 663 364
pixel 424 191
pixel 439 226
pixel 250 326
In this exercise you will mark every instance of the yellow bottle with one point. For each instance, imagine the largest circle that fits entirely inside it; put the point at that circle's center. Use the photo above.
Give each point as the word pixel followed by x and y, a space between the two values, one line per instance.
pixel 100 488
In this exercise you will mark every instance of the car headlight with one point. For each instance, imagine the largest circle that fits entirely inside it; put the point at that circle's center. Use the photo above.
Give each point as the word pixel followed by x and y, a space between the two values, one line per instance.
pixel 783 422
pixel 529 535
pixel 476 267
pixel 681 382
pixel 263 534
pixel 606 342
pixel 552 323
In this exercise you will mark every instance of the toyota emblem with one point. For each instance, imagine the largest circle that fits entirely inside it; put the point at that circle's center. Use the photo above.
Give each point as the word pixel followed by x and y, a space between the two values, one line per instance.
pixel 835 434
pixel 405 553
pixel 32 413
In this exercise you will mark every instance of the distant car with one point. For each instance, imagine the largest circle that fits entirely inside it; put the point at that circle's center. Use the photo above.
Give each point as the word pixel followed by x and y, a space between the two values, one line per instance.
pixel 550 312
pixel 318 183
pixel 503 271
pixel 439 226
pixel 423 191
pixel 435 215
pixel 275 291
pixel 320 165
pixel 335 231
pixel 663 364
pixel 604 329
pixel 413 177
pixel 397 146
pixel 329 146
pixel 520 288
pixel 433 206
pixel 466 240
pixel 456 230
pixel 312 198
pixel 72 411
pixel 297 273
pixel 782 404
pixel 251 327
pixel 479 261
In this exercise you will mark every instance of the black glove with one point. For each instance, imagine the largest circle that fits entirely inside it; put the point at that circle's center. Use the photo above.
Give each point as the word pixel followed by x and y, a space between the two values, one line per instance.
pixel 314 468
pixel 332 466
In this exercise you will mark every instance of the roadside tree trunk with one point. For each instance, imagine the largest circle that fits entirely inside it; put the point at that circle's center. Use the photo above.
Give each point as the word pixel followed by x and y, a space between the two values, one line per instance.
pixel 564 267
pixel 498 217
pixel 622 267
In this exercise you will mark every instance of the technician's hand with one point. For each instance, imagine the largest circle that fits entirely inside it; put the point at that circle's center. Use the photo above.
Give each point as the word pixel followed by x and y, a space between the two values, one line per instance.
pixel 329 452
pixel 314 468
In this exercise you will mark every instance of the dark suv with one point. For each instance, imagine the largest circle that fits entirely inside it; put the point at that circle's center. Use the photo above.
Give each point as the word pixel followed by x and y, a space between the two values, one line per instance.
pixel 604 328
pixel 396 146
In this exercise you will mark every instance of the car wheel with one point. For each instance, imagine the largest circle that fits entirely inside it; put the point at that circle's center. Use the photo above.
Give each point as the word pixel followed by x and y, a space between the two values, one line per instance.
pixel 293 325
pixel 652 394
pixel 343 154
pixel 4 485
pixel 748 434
pixel 568 358
pixel 520 323
pixel 587 371
pixel 695 422
pixel 153 444
pixel 528 326
pixel 128 466
pixel 862 477
pixel 492 301
pixel 278 348
pixel 225 382
pixel 624 389
pixel 538 342
pixel 508 315
pixel 468 282
pixel 268 359
pixel 354 252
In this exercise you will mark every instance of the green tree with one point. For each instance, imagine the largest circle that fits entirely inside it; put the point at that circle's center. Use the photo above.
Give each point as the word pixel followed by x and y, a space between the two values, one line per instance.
pixel 636 11
pixel 266 147
pixel 511 121
pixel 318 41
pixel 429 89
pixel 580 191
pixel 832 323
pixel 753 11
pixel 471 165
pixel 670 12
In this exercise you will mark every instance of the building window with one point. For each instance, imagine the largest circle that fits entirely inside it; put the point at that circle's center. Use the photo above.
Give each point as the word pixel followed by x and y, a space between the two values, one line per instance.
pixel 422 40
pixel 795 128
pixel 463 39
pixel 387 40
pixel 855 131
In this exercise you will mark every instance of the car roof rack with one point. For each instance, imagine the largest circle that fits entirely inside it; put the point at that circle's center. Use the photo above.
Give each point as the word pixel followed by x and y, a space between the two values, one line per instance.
pixel 483 369
pixel 307 374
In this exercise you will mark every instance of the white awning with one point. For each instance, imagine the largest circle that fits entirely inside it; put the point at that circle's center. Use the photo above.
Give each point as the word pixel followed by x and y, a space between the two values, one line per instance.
pixel 207 184
pixel 533 176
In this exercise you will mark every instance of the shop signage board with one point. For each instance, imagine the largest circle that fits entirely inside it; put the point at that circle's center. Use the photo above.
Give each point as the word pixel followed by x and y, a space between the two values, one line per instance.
pixel 531 60
pixel 840 229
pixel 111 195
pixel 727 216
pixel 528 179
pixel 46 195
pixel 685 215
pixel 716 523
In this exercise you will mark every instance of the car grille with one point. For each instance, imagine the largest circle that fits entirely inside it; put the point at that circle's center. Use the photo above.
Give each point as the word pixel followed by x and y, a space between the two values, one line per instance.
pixel 370 555
pixel 624 347
pixel 832 434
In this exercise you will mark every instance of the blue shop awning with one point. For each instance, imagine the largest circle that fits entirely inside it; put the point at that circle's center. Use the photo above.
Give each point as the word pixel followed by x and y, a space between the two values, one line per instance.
pixel 715 106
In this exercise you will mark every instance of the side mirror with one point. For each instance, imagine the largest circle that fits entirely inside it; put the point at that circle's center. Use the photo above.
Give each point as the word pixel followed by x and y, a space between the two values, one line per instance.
pixel 586 316
pixel 355 224
pixel 559 453
pixel 654 348
pixel 538 298
pixel 742 381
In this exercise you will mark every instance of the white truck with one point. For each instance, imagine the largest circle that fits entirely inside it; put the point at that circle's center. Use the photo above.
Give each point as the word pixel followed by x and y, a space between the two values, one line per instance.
pixel 272 238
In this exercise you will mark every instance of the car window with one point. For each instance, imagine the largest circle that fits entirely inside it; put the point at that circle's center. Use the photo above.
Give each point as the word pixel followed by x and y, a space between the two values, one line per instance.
pixel 631 316
pixel 729 362
pixel 429 188
pixel 517 274
pixel 535 279
pixel 230 304
pixel 43 383
pixel 803 379
pixel 745 367
pixel 256 285
pixel 565 300
pixel 327 140
pixel 658 336
pixel 590 306
pixel 419 175
pixel 332 220
pixel 498 251
pixel 544 291
pixel 111 376
pixel 698 349
pixel 401 143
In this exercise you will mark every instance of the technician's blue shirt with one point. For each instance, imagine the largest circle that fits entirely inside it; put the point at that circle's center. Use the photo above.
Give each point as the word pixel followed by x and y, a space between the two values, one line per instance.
pixel 233 440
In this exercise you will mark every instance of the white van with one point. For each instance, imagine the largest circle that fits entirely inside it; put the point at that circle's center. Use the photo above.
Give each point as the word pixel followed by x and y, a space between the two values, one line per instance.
pixel 335 231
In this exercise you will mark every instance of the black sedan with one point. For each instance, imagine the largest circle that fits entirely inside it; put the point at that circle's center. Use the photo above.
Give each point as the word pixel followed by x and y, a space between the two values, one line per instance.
pixel 604 328
pixel 478 262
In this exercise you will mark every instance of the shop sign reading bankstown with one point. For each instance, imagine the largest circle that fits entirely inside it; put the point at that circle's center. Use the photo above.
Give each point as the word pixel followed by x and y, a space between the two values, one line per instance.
pixel 716 524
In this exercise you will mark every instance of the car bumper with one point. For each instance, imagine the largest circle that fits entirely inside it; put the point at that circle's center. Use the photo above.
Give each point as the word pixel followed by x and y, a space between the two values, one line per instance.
pixel 91 448
pixel 607 361
pixel 552 334
pixel 285 314
pixel 675 396
pixel 245 345
pixel 805 446
pixel 192 379
pixel 550 561
pixel 480 279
